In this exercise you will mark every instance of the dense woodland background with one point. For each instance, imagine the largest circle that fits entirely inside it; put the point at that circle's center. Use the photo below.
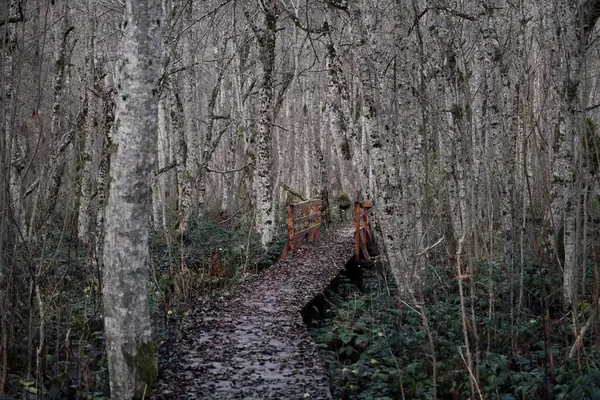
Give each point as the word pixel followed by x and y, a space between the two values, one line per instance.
pixel 472 125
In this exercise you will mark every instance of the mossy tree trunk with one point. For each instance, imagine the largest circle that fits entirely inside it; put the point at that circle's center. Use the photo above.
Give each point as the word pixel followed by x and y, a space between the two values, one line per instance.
pixel 266 35
pixel 88 138
pixel 131 358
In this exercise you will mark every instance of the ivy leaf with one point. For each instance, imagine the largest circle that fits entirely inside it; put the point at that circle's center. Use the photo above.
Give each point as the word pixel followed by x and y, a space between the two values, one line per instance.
pixel 29 386
pixel 347 336
pixel 412 368
pixel 361 339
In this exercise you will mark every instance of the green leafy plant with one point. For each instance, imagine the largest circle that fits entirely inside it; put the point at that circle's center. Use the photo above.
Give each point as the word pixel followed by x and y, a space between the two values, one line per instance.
pixel 375 348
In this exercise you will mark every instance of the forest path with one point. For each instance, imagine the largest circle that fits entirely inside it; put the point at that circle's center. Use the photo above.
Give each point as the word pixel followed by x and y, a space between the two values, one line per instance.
pixel 255 345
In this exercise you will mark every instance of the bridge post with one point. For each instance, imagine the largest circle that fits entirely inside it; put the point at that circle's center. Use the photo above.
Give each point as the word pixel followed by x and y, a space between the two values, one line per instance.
pixel 317 210
pixel 289 245
pixel 309 225
pixel 362 229
pixel 357 231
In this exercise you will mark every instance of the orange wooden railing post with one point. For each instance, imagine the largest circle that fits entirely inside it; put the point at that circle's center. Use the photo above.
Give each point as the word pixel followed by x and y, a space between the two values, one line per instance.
pixel 289 245
pixel 365 219
pixel 309 225
pixel 357 231
pixel 291 229
pixel 317 232
pixel 362 229
pixel 307 221
pixel 366 224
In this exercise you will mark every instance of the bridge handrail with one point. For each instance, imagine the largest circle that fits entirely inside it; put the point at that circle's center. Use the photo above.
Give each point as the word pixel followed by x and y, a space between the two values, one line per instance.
pixel 363 234
pixel 307 233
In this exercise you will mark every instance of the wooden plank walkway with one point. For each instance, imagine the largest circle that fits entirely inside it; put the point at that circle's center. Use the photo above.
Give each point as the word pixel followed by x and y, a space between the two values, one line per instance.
pixel 255 345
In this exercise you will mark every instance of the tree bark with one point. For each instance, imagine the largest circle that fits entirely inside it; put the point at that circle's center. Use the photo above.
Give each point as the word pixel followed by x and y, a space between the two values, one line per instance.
pixel 266 35
pixel 84 230
pixel 10 176
pixel 575 24
pixel 131 353
pixel 51 175
pixel 12 139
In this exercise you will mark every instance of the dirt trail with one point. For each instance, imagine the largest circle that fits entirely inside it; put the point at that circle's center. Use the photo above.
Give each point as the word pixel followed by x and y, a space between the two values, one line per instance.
pixel 255 345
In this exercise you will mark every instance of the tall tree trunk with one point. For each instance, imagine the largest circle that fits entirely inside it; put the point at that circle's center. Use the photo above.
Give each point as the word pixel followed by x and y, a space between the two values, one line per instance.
pixel 211 138
pixel 131 354
pixel 85 208
pixel 190 109
pixel 51 176
pixel 389 147
pixel 342 124
pixel 577 20
pixel 108 119
pixel 13 146
pixel 10 173
pixel 266 35
pixel 159 206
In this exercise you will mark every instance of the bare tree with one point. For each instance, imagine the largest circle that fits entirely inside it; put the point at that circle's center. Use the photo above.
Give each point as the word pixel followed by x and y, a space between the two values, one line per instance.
pixel 131 353
pixel 266 35
pixel 576 21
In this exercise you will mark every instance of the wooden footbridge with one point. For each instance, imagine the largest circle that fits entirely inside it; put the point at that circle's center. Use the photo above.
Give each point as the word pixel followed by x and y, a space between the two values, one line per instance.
pixel 304 225
pixel 254 344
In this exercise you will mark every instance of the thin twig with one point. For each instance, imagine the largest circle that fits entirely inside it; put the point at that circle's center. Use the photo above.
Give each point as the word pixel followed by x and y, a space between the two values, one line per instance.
pixel 229 171
pixel 233 216
pixel 431 247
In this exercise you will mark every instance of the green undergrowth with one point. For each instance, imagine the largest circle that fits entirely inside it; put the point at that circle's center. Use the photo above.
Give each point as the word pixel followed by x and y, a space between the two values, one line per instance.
pixel 378 348
pixel 72 361
pixel 209 261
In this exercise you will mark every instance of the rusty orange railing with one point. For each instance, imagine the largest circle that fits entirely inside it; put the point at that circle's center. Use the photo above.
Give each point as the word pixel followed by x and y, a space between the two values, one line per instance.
pixel 363 234
pixel 303 228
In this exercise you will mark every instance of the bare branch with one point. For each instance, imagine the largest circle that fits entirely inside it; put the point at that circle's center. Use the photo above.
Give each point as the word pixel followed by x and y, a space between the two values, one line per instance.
pixel 449 10
pixel 166 168
pixel 229 171
pixel 306 28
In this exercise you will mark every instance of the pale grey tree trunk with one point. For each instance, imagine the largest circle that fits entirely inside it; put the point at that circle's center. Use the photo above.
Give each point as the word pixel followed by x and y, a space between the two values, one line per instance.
pixel 211 138
pixel 159 201
pixel 500 133
pixel 52 173
pixel 388 196
pixel 337 123
pixel 85 215
pixel 17 162
pixel 238 151
pixel 10 170
pixel 575 23
pixel 108 118
pixel 315 149
pixel 131 353
pixel 266 35
pixel 190 121
pixel 180 123
pixel 180 149
pixel 395 151
pixel 565 197
pixel 306 152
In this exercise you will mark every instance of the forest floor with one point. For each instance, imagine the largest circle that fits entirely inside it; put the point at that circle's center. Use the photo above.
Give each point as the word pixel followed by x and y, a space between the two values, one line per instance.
pixel 254 344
